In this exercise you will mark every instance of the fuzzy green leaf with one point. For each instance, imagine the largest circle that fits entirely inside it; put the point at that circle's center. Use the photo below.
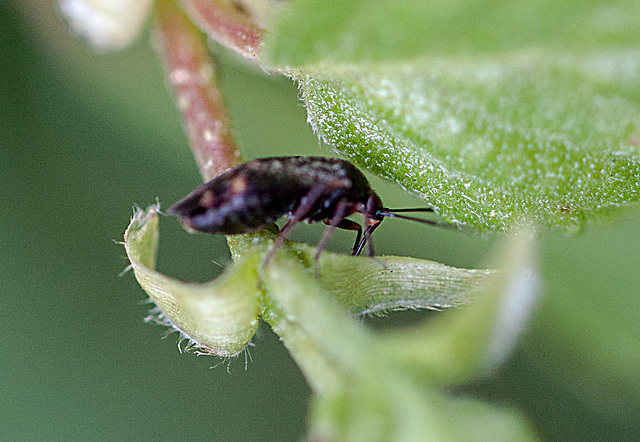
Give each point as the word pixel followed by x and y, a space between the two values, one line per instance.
pixel 220 316
pixel 496 113
pixel 538 139
pixel 357 392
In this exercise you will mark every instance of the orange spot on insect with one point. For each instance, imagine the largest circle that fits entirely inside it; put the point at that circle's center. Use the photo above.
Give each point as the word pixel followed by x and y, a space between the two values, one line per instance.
pixel 239 185
pixel 207 198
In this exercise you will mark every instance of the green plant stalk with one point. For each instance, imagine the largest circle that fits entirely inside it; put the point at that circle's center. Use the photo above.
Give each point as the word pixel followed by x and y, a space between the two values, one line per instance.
pixel 312 324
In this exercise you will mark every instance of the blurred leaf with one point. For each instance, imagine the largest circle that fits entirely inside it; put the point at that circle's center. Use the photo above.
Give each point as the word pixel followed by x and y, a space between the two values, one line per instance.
pixel 587 335
pixel 474 340
pixel 391 407
pixel 374 30
pixel 364 393
pixel 218 317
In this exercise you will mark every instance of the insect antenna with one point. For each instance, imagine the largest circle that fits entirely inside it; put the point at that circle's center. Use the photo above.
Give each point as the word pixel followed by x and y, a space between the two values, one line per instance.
pixel 415 209
pixel 393 213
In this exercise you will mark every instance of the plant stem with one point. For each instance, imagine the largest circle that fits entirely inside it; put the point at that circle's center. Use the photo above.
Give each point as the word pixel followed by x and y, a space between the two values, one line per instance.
pixel 325 342
pixel 190 72
pixel 228 23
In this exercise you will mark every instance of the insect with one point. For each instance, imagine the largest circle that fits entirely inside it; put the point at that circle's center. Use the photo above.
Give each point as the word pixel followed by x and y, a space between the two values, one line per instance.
pixel 249 197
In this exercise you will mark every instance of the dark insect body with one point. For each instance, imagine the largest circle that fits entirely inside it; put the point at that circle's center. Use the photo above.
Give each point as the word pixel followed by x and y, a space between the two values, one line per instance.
pixel 253 195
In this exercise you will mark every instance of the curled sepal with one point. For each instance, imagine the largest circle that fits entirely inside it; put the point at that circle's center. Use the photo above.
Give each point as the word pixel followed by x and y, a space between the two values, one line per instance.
pixel 218 317
pixel 365 286
pixel 475 339
pixel 106 25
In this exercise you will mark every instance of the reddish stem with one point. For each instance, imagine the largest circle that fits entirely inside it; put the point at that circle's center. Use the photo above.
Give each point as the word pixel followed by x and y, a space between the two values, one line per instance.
pixel 190 71
pixel 228 23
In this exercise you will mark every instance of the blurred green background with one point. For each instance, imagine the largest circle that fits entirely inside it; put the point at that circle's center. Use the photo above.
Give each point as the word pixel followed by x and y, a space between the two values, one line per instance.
pixel 83 137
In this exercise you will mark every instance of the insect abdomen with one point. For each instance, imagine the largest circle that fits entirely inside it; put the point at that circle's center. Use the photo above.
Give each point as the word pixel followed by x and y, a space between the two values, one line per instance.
pixel 244 199
pixel 253 195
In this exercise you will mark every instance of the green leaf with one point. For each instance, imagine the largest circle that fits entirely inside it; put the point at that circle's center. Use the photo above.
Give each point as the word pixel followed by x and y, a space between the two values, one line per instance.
pixel 363 285
pixel 357 392
pixel 321 337
pixel 375 30
pixel 474 340
pixel 496 113
pixel 303 311
pixel 219 317
pixel 389 407
pixel 538 139
pixel 364 389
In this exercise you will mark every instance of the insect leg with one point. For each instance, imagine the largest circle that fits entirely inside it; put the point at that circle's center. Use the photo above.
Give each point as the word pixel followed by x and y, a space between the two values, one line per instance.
pixel 367 239
pixel 298 215
pixel 347 224
pixel 336 219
